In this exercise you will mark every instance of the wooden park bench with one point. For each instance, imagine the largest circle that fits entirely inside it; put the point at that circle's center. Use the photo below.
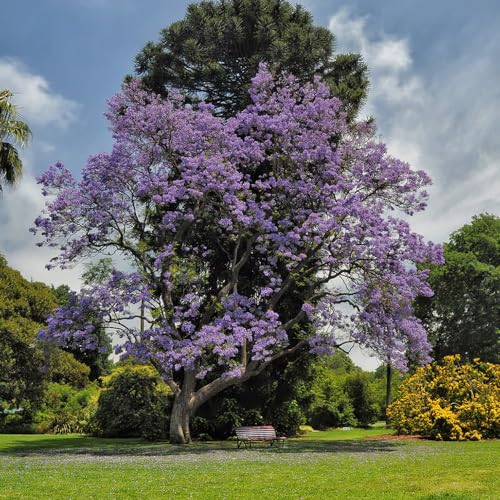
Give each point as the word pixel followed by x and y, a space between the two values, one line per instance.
pixel 250 434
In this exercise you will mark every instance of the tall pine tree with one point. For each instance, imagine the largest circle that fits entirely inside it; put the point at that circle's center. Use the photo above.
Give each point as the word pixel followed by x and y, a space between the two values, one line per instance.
pixel 213 53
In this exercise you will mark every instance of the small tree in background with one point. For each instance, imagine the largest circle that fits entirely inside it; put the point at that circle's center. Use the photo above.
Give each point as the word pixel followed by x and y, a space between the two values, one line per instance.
pixel 97 359
pixel 26 368
pixel 133 403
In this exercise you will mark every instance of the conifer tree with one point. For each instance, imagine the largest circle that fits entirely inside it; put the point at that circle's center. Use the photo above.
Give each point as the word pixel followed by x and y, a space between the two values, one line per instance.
pixel 213 53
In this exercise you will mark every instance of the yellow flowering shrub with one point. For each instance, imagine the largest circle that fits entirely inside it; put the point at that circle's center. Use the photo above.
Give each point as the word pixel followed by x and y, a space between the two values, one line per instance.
pixel 450 401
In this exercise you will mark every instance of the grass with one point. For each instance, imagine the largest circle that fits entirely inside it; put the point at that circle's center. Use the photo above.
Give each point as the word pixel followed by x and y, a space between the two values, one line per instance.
pixel 334 464
pixel 377 429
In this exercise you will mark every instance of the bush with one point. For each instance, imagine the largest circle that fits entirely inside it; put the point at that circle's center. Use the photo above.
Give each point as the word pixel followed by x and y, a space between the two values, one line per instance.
pixel 330 405
pixel 225 421
pixel 337 411
pixel 450 401
pixel 64 368
pixel 287 418
pixel 134 403
pixel 230 416
pixel 67 410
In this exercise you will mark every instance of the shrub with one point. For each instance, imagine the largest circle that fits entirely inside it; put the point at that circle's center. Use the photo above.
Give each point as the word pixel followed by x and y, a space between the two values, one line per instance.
pixel 287 418
pixel 230 417
pixel 450 401
pixel 66 409
pixel 64 368
pixel 223 425
pixel 330 405
pixel 134 403
pixel 337 411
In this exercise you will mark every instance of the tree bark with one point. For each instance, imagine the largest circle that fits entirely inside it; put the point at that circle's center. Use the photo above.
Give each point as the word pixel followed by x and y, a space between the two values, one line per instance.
pixel 179 421
pixel 388 389
pixel 182 410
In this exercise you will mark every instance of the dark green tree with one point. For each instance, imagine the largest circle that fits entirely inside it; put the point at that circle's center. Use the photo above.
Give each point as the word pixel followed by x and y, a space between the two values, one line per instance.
pixel 359 388
pixel 213 53
pixel 328 404
pixel 463 316
pixel 24 366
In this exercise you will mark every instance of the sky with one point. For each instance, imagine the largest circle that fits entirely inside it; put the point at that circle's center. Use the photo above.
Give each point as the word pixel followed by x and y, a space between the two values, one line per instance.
pixel 434 93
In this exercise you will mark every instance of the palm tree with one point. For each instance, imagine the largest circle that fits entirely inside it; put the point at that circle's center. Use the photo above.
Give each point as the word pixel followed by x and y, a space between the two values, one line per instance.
pixel 12 132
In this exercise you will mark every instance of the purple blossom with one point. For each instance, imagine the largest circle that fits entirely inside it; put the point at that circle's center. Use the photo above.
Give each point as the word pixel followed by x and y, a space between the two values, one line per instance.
pixel 222 219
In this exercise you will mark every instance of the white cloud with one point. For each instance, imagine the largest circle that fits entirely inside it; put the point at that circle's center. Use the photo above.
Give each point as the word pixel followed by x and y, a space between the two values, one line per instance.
pixel 441 116
pixel 45 147
pixel 18 209
pixel 441 120
pixel 388 59
pixel 37 103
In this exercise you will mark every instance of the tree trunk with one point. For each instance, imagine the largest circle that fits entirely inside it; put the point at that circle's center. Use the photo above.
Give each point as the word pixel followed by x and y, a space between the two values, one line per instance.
pixel 187 401
pixel 179 420
pixel 182 410
pixel 388 389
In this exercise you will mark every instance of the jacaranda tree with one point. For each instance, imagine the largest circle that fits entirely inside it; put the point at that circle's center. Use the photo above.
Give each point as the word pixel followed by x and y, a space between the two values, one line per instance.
pixel 287 189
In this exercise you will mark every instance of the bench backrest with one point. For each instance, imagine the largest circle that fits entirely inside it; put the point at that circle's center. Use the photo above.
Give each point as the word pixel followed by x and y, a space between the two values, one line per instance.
pixel 263 432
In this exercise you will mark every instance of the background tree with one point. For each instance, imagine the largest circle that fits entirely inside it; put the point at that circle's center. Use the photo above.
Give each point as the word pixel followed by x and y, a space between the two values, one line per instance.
pixel 463 316
pixel 386 383
pixel 214 52
pixel 13 132
pixel 133 403
pixel 196 202
pixel 328 404
pixel 25 367
pixel 98 359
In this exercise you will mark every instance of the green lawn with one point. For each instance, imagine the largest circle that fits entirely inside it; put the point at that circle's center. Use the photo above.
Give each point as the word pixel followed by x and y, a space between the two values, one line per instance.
pixel 335 464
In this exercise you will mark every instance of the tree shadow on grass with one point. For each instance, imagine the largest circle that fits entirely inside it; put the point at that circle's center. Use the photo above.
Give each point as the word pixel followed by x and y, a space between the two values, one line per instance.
pixel 81 445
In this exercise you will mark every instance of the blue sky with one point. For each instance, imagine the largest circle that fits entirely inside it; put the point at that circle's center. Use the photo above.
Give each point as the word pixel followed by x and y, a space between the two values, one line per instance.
pixel 435 94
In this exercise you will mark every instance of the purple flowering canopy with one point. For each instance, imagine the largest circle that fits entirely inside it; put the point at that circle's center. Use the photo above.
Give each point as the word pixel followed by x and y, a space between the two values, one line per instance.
pixel 221 219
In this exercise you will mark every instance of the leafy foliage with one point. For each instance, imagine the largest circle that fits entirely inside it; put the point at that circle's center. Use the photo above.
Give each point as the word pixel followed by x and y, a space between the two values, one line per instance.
pixel 64 368
pixel 463 316
pixel 66 409
pixel 214 52
pixel 13 132
pixel 134 402
pixel 24 366
pixel 379 387
pixel 450 401
pixel 339 394
pixel 97 360
pixel 358 388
